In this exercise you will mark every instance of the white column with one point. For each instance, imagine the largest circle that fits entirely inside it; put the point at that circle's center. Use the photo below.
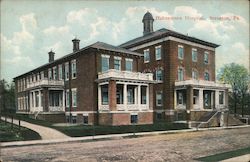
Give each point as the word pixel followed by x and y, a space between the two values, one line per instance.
pixel 135 95
pixel 147 96
pixel 99 97
pixel 201 99
pixel 34 99
pixel 216 99
pixel 40 99
pixel 175 99
pixel 139 97
pixel 212 99
pixel 125 97
pixel 30 100
pixel 63 100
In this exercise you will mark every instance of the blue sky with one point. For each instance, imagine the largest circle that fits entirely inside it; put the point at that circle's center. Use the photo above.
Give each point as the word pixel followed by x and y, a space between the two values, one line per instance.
pixel 29 29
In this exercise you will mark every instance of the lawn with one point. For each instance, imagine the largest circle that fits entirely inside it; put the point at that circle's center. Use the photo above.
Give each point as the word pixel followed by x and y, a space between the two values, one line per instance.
pixel 88 130
pixel 226 155
pixel 9 133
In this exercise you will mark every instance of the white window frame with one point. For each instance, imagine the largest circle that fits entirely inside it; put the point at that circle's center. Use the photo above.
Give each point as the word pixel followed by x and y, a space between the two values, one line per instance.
pixel 206 72
pixel 194 51
pixel 54 73
pixel 74 97
pixel 193 74
pixel 104 56
pixel 156 74
pixel 145 54
pixel 157 56
pixel 73 69
pixel 116 58
pixel 206 61
pixel 180 46
pixel 50 74
pixel 183 73
pixel 67 98
pixel 159 94
pixel 66 71
pixel 60 72
pixel 126 61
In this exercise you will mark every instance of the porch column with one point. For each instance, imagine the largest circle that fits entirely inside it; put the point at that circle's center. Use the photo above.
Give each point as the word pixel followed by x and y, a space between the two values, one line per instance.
pixel 212 99
pixel 190 95
pixel 175 99
pixel 201 99
pixel 226 98
pixel 39 96
pixel 30 99
pixel 34 98
pixel 217 99
pixel 135 96
pixel 112 95
pixel 139 97
pixel 99 97
pixel 63 99
pixel 147 96
pixel 125 97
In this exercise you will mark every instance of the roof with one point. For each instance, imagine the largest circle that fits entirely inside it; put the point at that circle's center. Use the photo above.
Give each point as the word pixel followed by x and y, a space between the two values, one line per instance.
pixel 164 33
pixel 105 46
pixel 148 16
pixel 97 45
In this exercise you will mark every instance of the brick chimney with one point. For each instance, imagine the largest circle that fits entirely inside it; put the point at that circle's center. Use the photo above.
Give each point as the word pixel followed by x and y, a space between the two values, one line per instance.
pixel 51 56
pixel 75 44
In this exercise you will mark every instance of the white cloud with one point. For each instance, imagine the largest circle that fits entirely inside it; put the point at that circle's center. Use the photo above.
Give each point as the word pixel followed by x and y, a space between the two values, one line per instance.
pixel 28 21
pixel 57 30
pixel 186 11
pixel 82 16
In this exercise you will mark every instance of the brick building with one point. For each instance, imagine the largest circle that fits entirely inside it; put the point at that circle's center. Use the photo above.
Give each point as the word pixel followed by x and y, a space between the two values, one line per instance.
pixel 160 76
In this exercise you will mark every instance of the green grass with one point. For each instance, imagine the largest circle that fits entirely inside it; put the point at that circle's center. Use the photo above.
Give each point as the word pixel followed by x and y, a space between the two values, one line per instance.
pixel 9 133
pixel 225 155
pixel 88 130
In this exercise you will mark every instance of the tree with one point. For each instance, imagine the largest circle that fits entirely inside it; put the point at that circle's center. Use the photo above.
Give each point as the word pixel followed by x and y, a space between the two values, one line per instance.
pixel 237 76
pixel 7 97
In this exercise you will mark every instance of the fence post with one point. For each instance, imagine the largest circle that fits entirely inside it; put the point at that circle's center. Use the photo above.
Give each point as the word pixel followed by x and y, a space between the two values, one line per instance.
pixel 11 121
pixel 19 124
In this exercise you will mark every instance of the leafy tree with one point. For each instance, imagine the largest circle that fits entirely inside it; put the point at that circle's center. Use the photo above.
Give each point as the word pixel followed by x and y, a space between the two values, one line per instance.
pixel 237 76
pixel 7 97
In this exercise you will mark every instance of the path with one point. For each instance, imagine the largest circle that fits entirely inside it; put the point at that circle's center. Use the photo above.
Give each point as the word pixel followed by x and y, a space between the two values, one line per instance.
pixel 174 147
pixel 45 132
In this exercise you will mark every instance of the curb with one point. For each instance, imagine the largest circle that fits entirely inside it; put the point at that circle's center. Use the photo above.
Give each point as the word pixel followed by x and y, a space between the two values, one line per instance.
pixel 109 137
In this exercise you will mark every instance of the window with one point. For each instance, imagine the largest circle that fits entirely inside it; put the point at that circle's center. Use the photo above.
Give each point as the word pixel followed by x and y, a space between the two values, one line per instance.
pixel 67 99
pixel 129 64
pixel 180 98
pixel 105 95
pixel 158 53
pixel 194 55
pixel 73 69
pixel 206 57
pixel 158 75
pixel 195 74
pixel 85 119
pixel 159 98
pixel 117 63
pixel 60 72
pixel 42 75
pixel 50 74
pixel 180 52
pixel 206 76
pixel 159 116
pixel 74 119
pixel 146 56
pixel 206 99
pixel 130 95
pixel 74 97
pixel 134 119
pixel 105 62
pixel 143 95
pixel 180 73
pixel 55 73
pixel 66 71
pixel 221 97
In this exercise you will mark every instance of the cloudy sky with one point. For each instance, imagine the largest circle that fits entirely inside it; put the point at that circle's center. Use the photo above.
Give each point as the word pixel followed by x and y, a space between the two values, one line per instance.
pixel 29 29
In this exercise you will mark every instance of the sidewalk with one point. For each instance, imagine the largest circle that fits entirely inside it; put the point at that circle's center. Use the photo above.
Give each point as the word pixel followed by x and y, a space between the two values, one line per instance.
pixel 45 132
pixel 110 136
pixel 243 158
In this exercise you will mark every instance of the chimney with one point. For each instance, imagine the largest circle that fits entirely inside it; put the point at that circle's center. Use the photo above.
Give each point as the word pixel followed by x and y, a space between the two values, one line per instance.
pixel 51 56
pixel 75 44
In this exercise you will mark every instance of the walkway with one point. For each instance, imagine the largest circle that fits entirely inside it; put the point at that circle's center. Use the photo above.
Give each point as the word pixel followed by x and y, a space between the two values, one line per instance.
pixel 45 132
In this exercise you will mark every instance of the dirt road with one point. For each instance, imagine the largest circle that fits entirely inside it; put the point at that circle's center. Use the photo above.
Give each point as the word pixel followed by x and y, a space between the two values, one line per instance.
pixel 170 147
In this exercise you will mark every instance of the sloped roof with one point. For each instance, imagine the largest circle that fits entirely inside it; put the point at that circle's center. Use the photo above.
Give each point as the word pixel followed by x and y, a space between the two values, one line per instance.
pixel 164 33
pixel 97 45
